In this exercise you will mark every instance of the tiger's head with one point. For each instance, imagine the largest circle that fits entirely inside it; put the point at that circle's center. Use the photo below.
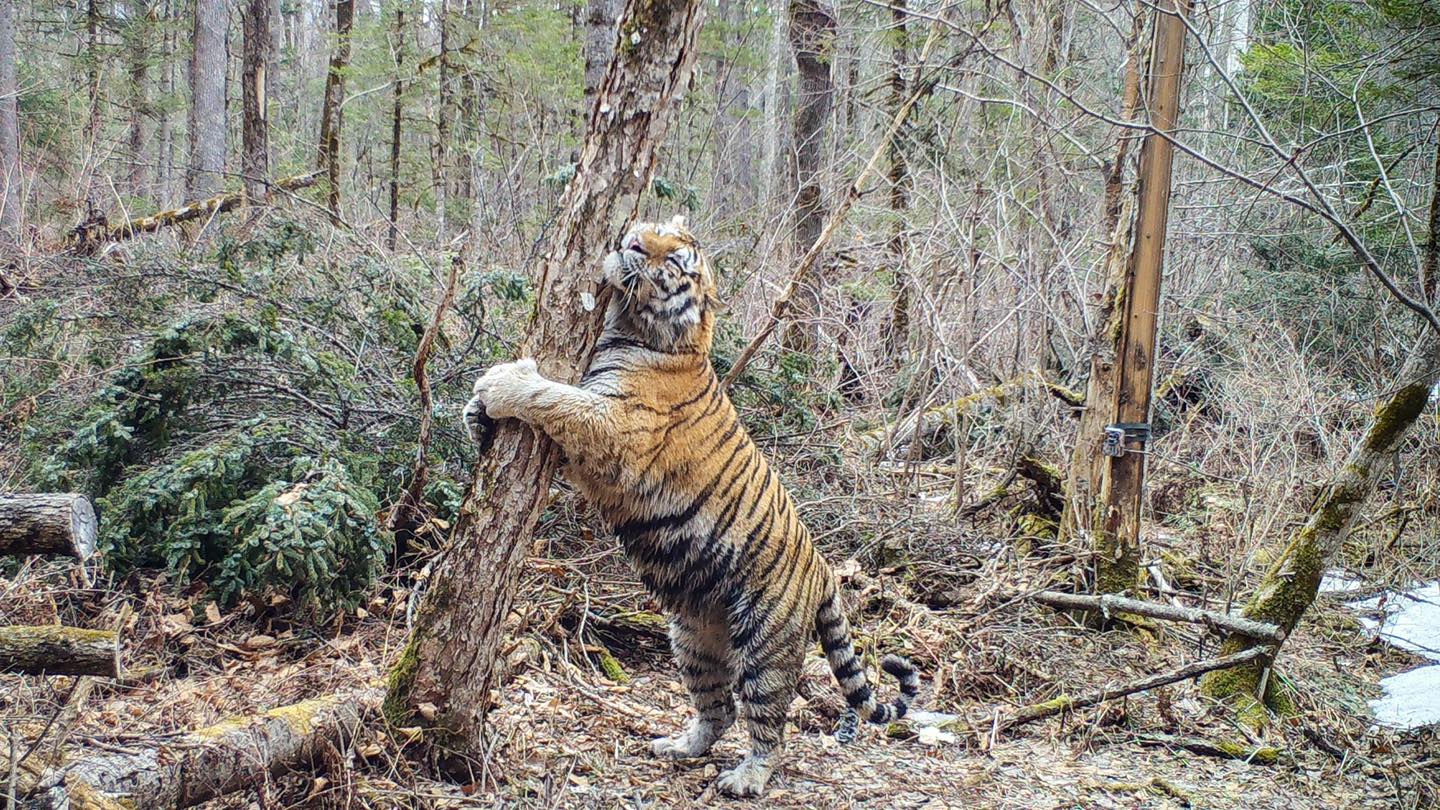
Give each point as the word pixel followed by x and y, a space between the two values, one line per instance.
pixel 666 287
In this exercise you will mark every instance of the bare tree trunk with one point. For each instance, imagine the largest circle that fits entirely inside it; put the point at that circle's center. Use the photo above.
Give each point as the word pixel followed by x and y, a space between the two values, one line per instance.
pixel 91 179
pixel 207 99
pixel 812 37
pixel 331 114
pixel 450 659
pixel 47 524
pixel 165 168
pixel 255 125
pixel 137 46
pixel 55 649
pixel 1290 586
pixel 897 334
pixel 397 110
pixel 441 164
pixel 10 175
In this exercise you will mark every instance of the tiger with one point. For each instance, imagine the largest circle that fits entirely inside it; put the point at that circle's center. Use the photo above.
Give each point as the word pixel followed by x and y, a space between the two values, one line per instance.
pixel 652 440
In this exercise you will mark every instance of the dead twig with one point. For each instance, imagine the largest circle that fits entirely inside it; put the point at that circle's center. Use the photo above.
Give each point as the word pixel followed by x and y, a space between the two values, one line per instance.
pixel 1109 604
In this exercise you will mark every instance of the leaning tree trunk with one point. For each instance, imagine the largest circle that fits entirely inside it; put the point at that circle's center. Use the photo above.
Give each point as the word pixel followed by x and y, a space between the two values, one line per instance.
pixel 450 660
pixel 1290 586
pixel 812 37
pixel 331 109
pixel 207 99
pixel 47 524
pixel 255 119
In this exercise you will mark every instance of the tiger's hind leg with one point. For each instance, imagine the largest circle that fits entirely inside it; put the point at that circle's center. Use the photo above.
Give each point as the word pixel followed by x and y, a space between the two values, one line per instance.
pixel 769 674
pixel 707 666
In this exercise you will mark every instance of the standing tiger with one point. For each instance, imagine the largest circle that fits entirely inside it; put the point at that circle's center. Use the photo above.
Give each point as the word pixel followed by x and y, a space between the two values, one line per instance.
pixel 655 444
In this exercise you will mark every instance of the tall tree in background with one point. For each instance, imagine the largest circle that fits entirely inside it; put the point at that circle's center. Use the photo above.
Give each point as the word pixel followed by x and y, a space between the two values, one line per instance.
pixel 444 118
pixel 812 38
pixel 331 112
pixel 10 178
pixel 450 659
pixel 397 100
pixel 255 121
pixel 898 327
pixel 208 126
pixel 137 38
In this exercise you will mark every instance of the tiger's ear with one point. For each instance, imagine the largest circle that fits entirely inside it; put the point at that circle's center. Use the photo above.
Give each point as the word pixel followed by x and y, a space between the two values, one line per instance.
pixel 678 222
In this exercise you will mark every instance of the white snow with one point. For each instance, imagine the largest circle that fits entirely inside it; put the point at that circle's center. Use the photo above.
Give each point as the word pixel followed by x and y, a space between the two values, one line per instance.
pixel 1410 621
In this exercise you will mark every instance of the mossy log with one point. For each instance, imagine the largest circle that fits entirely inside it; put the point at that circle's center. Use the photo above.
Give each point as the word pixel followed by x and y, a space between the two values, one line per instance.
pixel 230 756
pixel 88 238
pixel 1290 586
pixel 47 524
pixel 59 650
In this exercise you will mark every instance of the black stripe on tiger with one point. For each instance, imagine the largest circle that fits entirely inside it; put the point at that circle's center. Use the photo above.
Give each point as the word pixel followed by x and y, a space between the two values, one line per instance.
pixel 835 640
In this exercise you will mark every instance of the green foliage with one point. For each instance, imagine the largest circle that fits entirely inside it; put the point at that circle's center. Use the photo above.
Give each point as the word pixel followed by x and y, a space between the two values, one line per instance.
pixel 250 516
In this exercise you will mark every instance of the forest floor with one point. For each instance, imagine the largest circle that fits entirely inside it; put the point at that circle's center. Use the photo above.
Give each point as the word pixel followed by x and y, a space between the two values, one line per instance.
pixel 588 688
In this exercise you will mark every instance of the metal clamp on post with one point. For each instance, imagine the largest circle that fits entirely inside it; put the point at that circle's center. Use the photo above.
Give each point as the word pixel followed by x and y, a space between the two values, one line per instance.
pixel 1118 434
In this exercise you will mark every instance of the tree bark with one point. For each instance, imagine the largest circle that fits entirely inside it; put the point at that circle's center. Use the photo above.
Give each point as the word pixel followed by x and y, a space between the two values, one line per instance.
pixel 440 166
pixel 208 127
pixel 450 660
pixel 194 768
pixel 599 46
pixel 10 174
pixel 255 124
pixel 331 114
pixel 58 650
pixel 812 38
pixel 47 524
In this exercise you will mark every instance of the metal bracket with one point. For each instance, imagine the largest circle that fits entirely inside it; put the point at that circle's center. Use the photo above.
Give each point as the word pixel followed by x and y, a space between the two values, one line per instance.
pixel 1118 434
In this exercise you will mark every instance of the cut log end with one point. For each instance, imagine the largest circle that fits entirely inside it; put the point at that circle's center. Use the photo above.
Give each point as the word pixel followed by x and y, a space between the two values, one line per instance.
pixel 62 523
pixel 59 650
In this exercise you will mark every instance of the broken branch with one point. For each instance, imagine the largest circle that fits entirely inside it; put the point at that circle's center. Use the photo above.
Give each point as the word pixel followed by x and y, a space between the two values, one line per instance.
pixel 1109 604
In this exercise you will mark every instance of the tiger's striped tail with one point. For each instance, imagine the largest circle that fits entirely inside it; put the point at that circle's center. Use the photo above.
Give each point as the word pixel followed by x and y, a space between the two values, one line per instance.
pixel 834 632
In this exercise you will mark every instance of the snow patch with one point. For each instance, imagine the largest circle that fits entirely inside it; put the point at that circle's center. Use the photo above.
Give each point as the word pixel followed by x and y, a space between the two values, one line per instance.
pixel 1410 621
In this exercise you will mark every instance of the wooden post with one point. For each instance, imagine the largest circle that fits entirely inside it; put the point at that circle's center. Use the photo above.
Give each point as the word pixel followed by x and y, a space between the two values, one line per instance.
pixel 1117 524
pixel 47 524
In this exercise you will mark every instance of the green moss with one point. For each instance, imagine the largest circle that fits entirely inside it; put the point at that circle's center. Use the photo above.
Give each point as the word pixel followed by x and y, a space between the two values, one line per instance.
pixel 1395 417
pixel 610 665
pixel 400 683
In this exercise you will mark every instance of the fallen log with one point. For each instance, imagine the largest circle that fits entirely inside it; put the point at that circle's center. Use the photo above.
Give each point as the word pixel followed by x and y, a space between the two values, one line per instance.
pixel 59 650
pixel 47 524
pixel 1223 749
pixel 227 757
pixel 88 238
pixel 1110 604
pixel 1065 703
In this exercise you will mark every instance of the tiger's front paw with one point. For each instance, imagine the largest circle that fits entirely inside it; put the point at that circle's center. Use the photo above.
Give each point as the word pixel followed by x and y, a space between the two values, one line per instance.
pixel 503 390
